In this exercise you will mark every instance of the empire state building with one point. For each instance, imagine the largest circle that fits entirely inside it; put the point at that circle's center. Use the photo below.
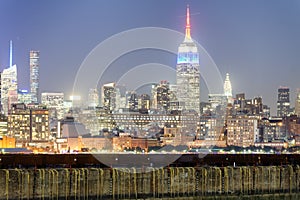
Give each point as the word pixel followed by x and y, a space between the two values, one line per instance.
pixel 187 72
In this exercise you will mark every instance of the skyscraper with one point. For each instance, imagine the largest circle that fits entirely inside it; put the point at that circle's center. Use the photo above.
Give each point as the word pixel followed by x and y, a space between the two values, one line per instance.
pixel 93 98
pixel 34 74
pixel 9 85
pixel 24 97
pixel 108 96
pixel 297 103
pixel 144 102
pixel 132 101
pixel 283 102
pixel 55 103
pixel 10 53
pixel 227 87
pixel 187 72
pixel 162 96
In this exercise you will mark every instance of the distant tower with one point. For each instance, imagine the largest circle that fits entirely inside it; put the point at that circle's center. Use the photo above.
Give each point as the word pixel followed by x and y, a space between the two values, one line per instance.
pixel 9 84
pixel 34 62
pixel 24 97
pixel 162 96
pixel 187 72
pixel 10 53
pixel 297 103
pixel 132 101
pixel 55 103
pixel 108 96
pixel 283 102
pixel 93 98
pixel 144 102
pixel 227 87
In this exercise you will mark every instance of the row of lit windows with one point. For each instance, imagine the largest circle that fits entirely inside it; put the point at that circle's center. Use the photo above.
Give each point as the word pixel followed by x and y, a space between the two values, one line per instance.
pixel 154 119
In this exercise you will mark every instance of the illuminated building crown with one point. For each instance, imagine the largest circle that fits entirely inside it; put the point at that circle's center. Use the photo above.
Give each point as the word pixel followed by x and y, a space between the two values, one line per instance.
pixel 188 51
pixel 227 86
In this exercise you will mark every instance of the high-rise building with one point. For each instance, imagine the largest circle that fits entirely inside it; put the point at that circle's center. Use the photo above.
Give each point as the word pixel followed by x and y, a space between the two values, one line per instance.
pixel 217 100
pixel 297 103
pixel 55 104
pixel 210 128
pixel 132 101
pixel 240 97
pixel 144 102
pixel 162 96
pixel 34 63
pixel 257 106
pixel 10 53
pixel 283 102
pixel 24 97
pixel 187 72
pixel 266 111
pixel 9 85
pixel 93 98
pixel 108 96
pixel 174 104
pixel 228 89
pixel 214 121
pixel 272 129
pixel 122 102
pixel 253 107
pixel 118 99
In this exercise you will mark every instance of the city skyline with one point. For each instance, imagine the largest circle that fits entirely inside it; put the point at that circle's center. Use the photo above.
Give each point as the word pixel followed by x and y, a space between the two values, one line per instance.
pixel 249 40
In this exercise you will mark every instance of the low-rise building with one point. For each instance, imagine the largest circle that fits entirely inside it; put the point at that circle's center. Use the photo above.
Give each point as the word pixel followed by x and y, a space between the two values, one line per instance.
pixel 7 142
pixel 28 124
pixel 241 131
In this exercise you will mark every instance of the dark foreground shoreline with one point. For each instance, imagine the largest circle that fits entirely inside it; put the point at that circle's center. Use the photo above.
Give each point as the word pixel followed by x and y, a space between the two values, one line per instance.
pixel 108 160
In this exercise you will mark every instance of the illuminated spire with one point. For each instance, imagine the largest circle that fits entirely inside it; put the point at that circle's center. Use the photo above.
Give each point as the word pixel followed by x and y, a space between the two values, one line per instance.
pixel 227 86
pixel 10 53
pixel 188 26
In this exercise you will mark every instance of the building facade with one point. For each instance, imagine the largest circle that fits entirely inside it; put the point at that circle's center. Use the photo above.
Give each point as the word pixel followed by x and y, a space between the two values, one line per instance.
pixel 241 131
pixel 132 101
pixel 28 125
pixel 55 103
pixel 108 96
pixel 162 96
pixel 9 88
pixel 93 98
pixel 297 103
pixel 24 97
pixel 144 102
pixel 34 63
pixel 227 87
pixel 187 72
pixel 211 128
pixel 283 102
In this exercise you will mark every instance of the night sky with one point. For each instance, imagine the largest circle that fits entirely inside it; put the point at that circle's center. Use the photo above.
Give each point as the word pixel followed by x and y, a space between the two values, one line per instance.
pixel 257 41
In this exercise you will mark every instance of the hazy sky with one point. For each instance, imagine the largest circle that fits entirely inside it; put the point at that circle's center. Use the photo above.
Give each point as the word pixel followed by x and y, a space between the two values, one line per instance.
pixel 256 41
